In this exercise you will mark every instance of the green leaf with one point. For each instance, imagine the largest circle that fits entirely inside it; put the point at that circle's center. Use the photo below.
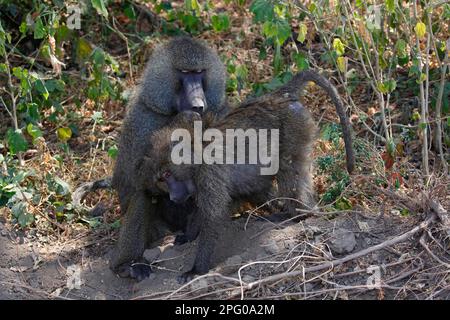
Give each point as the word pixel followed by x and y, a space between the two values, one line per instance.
pixel 97 117
pixel 33 111
pixel 113 152
pixel 99 5
pixel 343 204
pixel 390 147
pixel 422 125
pixel 390 5
pixel 420 29
pixel 338 46
pixel 63 187
pixel 129 12
pixel 83 50
pixel 194 5
pixel 41 88
pixel 220 22
pixel 401 48
pixel 16 141
pixel 415 116
pixel 404 212
pixel 422 78
pixel 64 134
pixel 302 31
pixel 34 131
pixel 262 10
pixel 278 30
pixel 301 60
pixel 19 211
pixel 387 86
pixel 23 28
pixel 341 64
pixel 39 29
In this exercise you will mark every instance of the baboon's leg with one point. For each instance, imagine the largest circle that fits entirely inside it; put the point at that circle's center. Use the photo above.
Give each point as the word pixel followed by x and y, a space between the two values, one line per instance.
pixel 294 181
pixel 140 226
pixel 192 229
pixel 305 188
pixel 213 204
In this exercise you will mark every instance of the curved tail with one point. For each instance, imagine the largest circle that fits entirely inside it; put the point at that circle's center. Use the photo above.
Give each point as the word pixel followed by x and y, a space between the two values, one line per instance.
pixel 296 84
pixel 87 187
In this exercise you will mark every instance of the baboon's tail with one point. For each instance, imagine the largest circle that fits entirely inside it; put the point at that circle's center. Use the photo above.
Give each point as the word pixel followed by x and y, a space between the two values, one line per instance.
pixel 296 84
pixel 87 187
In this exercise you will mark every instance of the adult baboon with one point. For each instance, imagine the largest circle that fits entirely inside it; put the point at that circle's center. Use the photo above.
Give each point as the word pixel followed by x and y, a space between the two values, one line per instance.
pixel 183 74
pixel 217 187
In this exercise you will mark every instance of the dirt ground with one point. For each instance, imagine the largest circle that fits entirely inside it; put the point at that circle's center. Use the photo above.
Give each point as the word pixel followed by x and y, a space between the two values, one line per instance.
pixel 33 268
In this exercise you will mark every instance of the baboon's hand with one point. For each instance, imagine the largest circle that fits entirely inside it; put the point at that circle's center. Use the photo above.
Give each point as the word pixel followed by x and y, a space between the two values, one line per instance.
pixel 181 239
pixel 140 271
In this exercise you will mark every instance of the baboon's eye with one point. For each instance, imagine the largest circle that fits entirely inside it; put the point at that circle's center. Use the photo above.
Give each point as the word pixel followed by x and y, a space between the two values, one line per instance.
pixel 184 71
pixel 166 175
pixel 199 71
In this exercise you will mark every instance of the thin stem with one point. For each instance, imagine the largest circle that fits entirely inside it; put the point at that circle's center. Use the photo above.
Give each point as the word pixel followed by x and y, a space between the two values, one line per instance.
pixel 423 114
pixel 438 127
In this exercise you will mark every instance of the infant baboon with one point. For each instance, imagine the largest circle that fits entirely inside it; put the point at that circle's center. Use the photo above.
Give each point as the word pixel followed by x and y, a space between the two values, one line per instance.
pixel 219 187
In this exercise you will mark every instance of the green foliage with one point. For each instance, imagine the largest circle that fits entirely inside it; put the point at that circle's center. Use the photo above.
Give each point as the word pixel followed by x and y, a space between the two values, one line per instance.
pixel 237 76
pixel 332 167
pixel 276 27
pixel 16 141
pixel 220 22
pixel 99 5
pixel 113 152
pixel 97 60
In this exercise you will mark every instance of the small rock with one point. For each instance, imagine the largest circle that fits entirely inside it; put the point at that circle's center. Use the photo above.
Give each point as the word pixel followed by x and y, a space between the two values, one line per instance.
pixel 161 252
pixel 234 260
pixel 152 254
pixel 363 226
pixel 200 285
pixel 168 253
pixel 342 241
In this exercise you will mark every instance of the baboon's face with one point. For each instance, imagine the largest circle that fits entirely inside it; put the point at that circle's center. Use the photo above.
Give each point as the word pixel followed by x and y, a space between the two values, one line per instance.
pixel 179 190
pixel 199 74
pixel 190 93
pixel 177 180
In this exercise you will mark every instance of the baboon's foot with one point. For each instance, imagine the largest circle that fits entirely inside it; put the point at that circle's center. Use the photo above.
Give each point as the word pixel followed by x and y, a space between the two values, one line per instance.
pixel 137 270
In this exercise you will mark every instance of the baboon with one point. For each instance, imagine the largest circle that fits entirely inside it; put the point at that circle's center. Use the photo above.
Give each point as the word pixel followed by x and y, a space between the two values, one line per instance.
pixel 219 187
pixel 183 74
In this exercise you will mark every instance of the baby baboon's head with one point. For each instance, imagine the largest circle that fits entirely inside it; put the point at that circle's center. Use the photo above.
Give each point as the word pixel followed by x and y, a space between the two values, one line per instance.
pixel 164 163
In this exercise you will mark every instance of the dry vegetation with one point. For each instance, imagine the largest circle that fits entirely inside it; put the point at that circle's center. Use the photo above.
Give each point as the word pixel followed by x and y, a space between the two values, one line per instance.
pixel 395 204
